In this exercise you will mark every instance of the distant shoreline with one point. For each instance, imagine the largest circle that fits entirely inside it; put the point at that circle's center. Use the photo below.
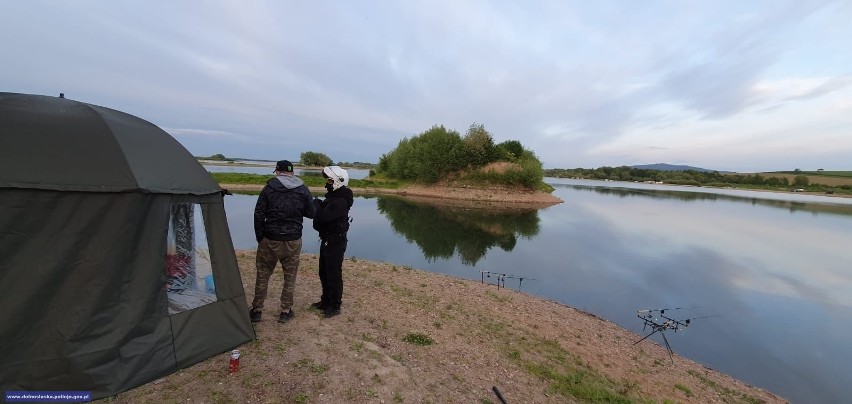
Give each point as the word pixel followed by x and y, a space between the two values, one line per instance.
pixel 484 197
pixel 489 195
pixel 735 189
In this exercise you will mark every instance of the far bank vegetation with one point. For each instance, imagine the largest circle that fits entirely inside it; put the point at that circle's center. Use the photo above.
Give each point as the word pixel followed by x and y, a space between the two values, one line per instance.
pixel 829 182
pixel 443 155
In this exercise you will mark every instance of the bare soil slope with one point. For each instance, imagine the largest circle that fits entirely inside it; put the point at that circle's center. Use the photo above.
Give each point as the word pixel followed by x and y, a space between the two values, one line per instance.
pixel 531 350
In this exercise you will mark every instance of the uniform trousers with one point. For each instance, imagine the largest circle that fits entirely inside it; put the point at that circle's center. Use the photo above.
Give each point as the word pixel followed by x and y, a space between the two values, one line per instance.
pixel 269 254
pixel 331 270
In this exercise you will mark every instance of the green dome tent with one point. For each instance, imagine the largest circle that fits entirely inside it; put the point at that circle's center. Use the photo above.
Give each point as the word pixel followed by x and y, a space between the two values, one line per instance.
pixel 116 263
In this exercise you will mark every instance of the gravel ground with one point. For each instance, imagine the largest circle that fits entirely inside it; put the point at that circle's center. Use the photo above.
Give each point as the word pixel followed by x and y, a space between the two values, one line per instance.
pixel 412 336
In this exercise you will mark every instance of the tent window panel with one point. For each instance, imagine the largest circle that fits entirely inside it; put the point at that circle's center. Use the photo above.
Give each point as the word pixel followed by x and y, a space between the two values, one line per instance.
pixel 189 271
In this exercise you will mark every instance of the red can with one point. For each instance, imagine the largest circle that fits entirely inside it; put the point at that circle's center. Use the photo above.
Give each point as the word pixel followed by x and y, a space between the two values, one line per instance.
pixel 234 366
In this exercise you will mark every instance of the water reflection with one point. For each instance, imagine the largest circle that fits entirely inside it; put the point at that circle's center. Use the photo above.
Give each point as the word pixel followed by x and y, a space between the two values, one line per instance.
pixel 840 206
pixel 441 231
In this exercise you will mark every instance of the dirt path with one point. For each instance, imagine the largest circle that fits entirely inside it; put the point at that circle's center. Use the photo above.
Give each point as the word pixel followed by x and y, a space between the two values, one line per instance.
pixel 532 350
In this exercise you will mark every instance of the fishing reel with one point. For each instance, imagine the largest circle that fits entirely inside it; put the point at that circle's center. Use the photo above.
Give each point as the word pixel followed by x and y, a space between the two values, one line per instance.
pixel 659 322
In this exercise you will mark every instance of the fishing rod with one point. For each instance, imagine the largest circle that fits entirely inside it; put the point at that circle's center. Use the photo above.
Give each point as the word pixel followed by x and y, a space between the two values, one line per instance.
pixel 501 278
pixel 498 394
pixel 659 322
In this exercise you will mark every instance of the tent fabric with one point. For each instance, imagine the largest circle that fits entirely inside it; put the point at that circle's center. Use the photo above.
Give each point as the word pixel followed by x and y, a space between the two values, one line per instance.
pixel 84 300
pixel 66 145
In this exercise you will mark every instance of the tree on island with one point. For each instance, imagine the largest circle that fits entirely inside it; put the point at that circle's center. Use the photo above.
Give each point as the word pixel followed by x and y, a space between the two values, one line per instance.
pixel 310 158
pixel 218 156
pixel 439 153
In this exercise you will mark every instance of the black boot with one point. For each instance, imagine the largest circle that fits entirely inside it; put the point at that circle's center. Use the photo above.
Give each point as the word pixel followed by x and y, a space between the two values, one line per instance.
pixel 331 312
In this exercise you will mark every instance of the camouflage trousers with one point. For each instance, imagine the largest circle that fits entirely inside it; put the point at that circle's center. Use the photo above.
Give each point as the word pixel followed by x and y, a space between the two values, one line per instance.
pixel 269 254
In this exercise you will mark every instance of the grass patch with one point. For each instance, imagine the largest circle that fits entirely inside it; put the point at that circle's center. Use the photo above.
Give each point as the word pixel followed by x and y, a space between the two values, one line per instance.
pixel 426 302
pixel 579 383
pixel 401 291
pixel 727 395
pixel 418 339
pixel 499 298
pixel 684 389
pixel 241 178
pixel 567 373
pixel 309 363
pixel 841 174
pixel 495 328
pixel 310 180
pixel 628 386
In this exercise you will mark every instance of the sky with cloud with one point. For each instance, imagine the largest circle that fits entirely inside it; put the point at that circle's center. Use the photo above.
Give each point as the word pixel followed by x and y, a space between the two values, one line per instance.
pixel 726 85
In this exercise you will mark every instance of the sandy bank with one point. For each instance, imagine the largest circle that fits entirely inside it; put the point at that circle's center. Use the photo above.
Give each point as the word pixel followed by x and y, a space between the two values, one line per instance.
pixel 532 350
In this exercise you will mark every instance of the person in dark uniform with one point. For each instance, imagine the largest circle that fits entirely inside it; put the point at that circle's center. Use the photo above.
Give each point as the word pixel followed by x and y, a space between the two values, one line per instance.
pixel 278 214
pixel 332 223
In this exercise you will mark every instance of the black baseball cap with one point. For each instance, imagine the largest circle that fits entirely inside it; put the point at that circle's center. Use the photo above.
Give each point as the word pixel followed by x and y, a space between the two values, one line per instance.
pixel 285 166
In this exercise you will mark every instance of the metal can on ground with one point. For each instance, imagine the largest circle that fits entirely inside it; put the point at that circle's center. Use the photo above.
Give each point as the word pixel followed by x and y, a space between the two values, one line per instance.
pixel 234 365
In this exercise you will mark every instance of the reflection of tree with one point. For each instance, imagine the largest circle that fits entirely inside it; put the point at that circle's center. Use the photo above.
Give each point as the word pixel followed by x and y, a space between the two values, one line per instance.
pixel 441 231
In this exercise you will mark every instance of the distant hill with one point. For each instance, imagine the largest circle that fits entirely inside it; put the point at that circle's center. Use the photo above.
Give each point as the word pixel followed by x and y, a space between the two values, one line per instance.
pixel 671 167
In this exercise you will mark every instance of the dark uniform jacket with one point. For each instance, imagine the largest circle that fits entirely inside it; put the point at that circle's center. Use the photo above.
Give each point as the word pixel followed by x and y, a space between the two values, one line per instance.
pixel 332 219
pixel 282 204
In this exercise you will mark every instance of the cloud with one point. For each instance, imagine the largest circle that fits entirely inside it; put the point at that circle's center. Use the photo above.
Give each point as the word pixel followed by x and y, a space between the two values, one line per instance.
pixel 826 87
pixel 577 83
pixel 215 134
pixel 716 78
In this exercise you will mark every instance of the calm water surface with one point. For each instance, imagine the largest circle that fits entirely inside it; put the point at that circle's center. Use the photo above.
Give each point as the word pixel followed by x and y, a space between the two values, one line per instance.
pixel 773 270
pixel 353 173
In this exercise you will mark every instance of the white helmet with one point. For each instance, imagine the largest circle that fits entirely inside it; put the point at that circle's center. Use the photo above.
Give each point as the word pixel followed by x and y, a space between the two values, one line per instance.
pixel 339 176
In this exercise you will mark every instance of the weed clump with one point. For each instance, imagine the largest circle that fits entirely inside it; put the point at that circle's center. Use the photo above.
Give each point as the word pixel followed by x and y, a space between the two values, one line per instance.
pixel 418 339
